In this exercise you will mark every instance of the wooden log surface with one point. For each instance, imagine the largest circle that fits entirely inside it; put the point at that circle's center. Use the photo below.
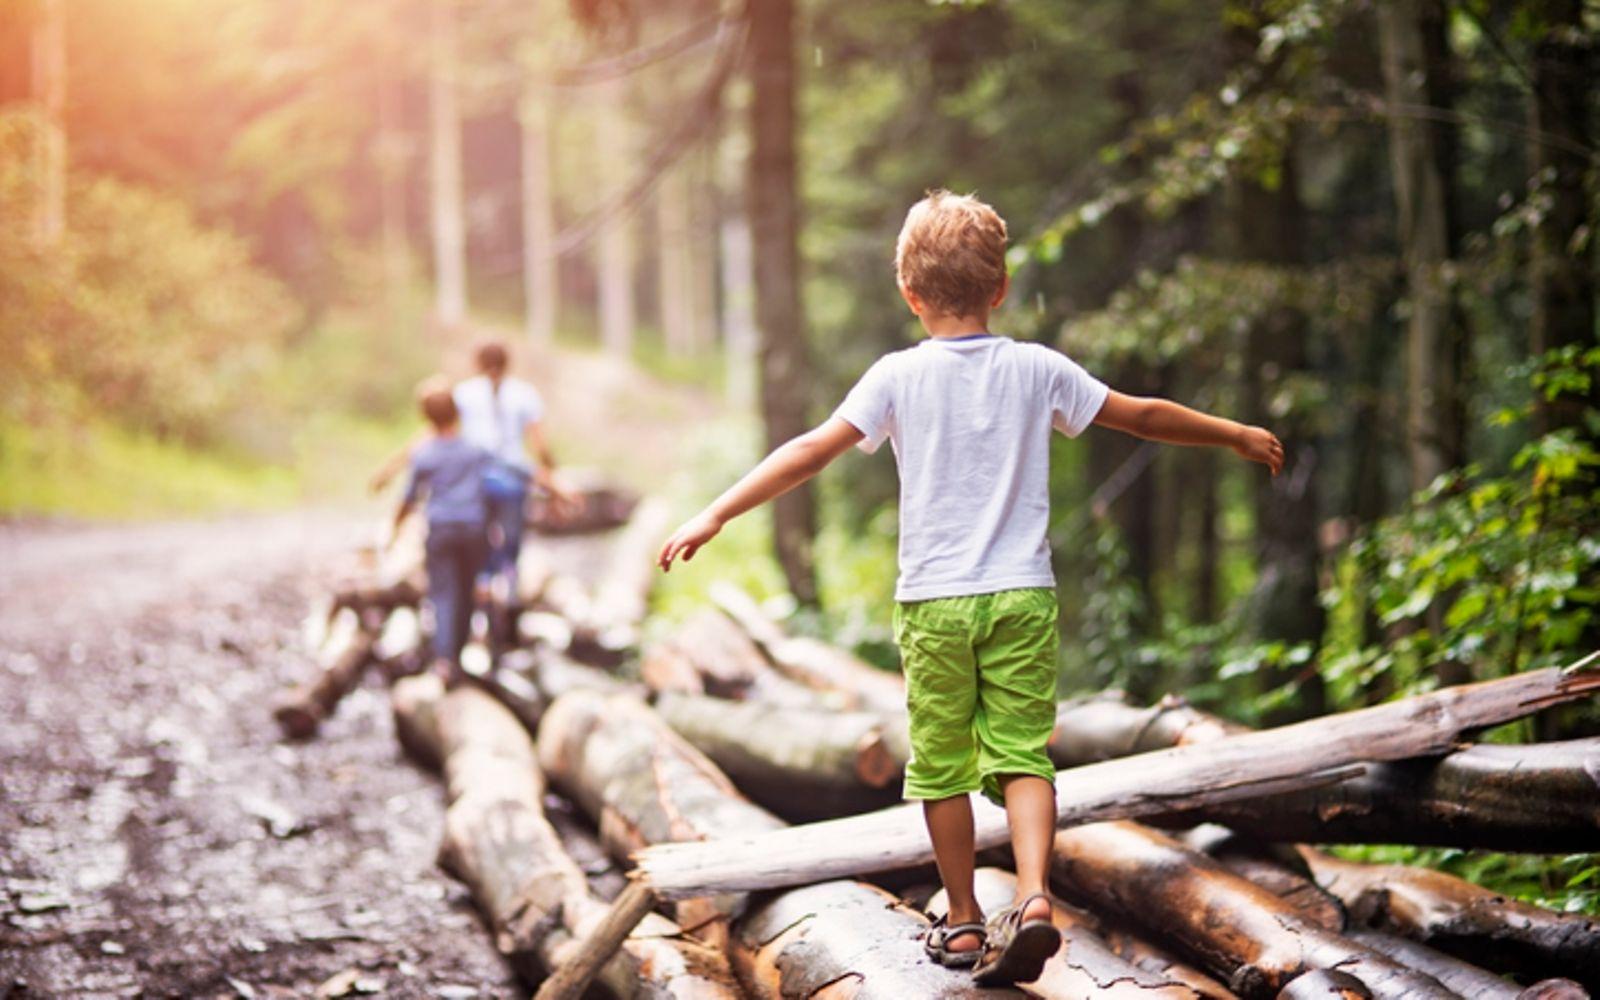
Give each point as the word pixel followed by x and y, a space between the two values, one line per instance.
pixel 497 840
pixel 1455 916
pixel 1237 929
pixel 1542 797
pixel 1240 766
pixel 644 784
pixel 709 654
pixel 344 657
pixel 1085 966
pixel 800 763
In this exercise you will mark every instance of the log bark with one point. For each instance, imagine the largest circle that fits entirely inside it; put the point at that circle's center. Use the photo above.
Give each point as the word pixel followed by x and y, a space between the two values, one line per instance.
pixel 1237 929
pixel 1245 765
pixel 1517 798
pixel 812 662
pixel 840 940
pixel 345 658
pixel 622 595
pixel 1462 919
pixel 800 763
pixel 499 842
pixel 1086 966
pixel 599 508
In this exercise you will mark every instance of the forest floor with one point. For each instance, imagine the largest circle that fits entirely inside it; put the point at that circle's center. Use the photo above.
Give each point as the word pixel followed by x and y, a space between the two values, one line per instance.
pixel 157 836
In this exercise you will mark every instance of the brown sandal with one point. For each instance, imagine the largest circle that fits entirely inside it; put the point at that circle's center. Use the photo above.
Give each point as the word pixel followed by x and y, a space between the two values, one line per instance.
pixel 1017 949
pixel 936 942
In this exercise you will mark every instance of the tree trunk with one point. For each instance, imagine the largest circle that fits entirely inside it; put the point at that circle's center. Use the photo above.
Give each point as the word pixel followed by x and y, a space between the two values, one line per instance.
pixel 390 155
pixel 444 126
pixel 499 842
pixel 345 658
pixel 674 262
pixel 1236 928
pixel 49 64
pixel 1462 919
pixel 1243 766
pixel 1085 967
pixel 812 662
pixel 802 764
pixel 1208 543
pixel 1513 798
pixel 1562 264
pixel 773 208
pixel 540 287
pixel 740 339
pixel 1416 75
pixel 614 242
pixel 622 594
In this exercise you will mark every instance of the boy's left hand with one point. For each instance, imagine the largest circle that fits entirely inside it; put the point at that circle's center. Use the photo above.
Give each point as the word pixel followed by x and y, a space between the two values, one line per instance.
pixel 686 541
pixel 1257 444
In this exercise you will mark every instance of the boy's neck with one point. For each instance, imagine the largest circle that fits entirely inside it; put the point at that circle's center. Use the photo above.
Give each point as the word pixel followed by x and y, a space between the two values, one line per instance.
pixel 454 430
pixel 947 327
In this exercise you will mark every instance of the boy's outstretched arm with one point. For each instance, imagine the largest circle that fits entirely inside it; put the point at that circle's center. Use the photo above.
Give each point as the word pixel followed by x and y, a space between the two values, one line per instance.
pixel 1164 420
pixel 791 464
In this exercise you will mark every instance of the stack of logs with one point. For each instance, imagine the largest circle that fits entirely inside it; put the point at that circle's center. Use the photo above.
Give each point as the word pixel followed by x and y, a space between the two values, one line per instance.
pixel 749 777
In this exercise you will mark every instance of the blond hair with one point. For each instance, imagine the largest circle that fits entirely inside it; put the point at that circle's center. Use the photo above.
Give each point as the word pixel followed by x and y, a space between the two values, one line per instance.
pixel 952 253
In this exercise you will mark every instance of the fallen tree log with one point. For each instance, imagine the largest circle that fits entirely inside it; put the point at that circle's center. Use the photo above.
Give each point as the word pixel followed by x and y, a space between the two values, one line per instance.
pixel 1196 775
pixel 1508 798
pixel 1237 929
pixel 644 784
pixel 814 663
pixel 497 840
pixel 800 763
pixel 622 594
pixel 1463 919
pixel 345 658
pixel 1085 967
pixel 1283 872
pixel 711 655
pixel 596 508
pixel 1107 726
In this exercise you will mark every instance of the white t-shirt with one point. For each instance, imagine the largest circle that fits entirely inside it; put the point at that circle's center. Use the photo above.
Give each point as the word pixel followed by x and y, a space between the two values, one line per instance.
pixel 970 422
pixel 495 420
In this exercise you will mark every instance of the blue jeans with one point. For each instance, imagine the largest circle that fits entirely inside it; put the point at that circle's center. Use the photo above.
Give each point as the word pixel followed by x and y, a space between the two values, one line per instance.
pixel 507 517
pixel 456 552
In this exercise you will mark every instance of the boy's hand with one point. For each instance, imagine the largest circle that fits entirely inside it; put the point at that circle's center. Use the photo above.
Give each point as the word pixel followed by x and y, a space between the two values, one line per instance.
pixel 1257 444
pixel 686 541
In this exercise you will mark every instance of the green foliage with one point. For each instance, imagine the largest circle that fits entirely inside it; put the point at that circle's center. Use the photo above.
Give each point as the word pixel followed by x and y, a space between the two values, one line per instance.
pixel 159 321
pixel 1568 883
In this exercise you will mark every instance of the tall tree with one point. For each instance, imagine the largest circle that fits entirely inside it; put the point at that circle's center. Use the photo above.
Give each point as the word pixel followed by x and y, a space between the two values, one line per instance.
pixel 1418 87
pixel 391 152
pixel 444 127
pixel 737 317
pixel 1562 263
pixel 49 59
pixel 773 210
pixel 675 260
pixel 614 245
pixel 539 274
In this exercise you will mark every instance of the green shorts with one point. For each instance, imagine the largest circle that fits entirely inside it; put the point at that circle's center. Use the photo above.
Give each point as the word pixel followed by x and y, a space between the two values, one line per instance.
pixel 980 689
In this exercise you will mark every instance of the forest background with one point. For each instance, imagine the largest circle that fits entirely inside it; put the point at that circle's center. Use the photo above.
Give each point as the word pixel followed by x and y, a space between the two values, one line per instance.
pixel 234 235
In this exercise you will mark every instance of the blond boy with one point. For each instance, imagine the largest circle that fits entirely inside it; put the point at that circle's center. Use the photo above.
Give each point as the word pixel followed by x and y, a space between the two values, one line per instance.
pixel 970 416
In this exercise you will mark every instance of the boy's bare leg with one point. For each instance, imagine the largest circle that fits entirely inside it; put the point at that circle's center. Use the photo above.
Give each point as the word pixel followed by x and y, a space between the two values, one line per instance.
pixel 1031 814
pixel 950 828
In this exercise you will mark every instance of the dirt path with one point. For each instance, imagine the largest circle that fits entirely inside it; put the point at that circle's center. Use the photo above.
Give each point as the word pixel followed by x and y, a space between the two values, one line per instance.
pixel 156 837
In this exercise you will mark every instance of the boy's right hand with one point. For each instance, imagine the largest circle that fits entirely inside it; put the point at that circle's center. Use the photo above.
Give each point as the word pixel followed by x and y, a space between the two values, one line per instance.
pixel 686 541
pixel 1257 444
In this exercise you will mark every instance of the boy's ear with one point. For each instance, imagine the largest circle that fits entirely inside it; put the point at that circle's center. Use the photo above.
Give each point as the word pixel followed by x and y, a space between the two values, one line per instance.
pixel 1000 296
pixel 911 298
